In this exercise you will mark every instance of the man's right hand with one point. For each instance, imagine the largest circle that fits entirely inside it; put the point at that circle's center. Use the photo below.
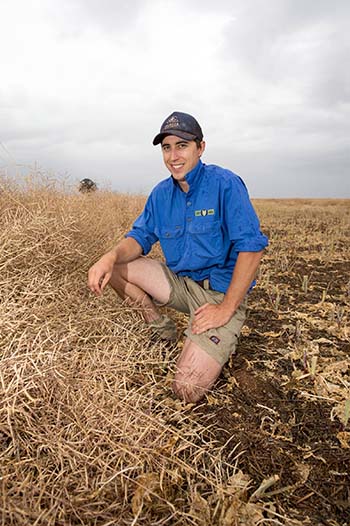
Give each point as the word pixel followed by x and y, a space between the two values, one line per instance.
pixel 100 273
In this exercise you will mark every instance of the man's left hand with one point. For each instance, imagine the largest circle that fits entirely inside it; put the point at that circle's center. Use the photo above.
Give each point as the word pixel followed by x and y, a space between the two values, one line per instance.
pixel 210 316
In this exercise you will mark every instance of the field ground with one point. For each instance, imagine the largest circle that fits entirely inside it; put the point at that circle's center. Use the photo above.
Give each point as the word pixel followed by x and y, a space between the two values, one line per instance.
pixel 90 433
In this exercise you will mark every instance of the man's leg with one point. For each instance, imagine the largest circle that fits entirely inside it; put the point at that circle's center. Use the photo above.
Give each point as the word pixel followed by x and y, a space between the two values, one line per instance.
pixel 139 281
pixel 196 372
pixel 143 280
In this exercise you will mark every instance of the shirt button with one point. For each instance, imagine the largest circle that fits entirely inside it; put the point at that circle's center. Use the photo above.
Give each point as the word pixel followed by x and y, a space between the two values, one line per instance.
pixel 189 203
pixel 189 219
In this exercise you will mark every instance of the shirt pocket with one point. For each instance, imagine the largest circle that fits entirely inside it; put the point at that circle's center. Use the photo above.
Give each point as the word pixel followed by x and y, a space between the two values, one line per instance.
pixel 206 238
pixel 171 239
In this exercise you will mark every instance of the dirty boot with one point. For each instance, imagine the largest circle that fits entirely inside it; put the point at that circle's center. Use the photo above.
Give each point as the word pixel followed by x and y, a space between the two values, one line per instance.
pixel 164 328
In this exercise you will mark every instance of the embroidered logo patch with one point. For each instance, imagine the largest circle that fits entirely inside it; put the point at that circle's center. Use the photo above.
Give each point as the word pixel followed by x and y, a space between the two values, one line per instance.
pixel 204 212
pixel 215 339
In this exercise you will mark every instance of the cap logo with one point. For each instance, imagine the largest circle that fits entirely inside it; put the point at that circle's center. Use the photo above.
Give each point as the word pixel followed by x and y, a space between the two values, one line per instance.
pixel 171 123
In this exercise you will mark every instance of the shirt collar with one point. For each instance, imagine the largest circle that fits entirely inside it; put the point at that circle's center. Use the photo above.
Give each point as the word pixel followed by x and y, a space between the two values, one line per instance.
pixel 193 176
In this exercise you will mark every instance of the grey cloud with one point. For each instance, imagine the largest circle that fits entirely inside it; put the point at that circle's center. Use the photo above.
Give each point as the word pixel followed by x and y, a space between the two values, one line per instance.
pixel 282 120
pixel 281 41
pixel 106 15
pixel 291 173
pixel 295 54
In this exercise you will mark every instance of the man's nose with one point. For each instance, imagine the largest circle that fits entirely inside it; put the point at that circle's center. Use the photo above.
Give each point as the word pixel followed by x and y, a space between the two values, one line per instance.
pixel 173 154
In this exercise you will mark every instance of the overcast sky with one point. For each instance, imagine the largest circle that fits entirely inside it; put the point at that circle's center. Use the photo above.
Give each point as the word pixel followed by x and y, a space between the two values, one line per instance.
pixel 86 84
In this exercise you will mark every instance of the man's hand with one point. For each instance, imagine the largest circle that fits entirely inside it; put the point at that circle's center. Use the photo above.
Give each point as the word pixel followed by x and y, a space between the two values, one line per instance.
pixel 100 273
pixel 210 316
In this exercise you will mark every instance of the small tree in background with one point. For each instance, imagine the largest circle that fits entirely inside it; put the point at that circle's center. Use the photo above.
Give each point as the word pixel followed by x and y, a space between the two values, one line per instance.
pixel 87 186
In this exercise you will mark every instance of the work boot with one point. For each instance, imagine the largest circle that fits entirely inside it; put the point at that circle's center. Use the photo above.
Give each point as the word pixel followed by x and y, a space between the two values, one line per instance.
pixel 165 328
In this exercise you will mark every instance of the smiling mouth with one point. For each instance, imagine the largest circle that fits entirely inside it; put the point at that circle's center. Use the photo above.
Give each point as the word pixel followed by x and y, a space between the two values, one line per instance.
pixel 177 166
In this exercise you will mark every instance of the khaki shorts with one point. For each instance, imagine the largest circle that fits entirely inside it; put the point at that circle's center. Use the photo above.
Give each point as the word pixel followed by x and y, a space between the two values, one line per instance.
pixel 186 296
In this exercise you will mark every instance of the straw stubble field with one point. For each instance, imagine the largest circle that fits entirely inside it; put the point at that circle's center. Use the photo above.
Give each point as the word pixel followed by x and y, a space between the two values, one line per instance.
pixel 90 433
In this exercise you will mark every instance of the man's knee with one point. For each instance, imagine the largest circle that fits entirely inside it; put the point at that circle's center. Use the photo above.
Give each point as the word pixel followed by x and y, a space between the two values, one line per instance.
pixel 146 274
pixel 124 273
pixel 191 385
pixel 196 372
pixel 187 390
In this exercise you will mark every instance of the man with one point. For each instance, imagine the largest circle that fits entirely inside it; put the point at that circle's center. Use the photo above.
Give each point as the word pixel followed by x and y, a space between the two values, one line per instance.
pixel 209 233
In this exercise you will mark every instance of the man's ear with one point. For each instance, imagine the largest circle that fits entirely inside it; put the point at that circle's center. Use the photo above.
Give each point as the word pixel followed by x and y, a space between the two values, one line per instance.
pixel 201 148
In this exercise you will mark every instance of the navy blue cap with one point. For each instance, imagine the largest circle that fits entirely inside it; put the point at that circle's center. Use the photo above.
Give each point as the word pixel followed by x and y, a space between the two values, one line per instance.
pixel 180 124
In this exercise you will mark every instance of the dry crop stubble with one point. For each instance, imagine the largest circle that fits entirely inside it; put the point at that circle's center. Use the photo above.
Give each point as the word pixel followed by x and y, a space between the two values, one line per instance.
pixel 90 433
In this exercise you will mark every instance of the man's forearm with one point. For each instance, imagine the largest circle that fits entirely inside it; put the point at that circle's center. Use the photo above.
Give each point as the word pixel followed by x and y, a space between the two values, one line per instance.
pixel 126 250
pixel 244 273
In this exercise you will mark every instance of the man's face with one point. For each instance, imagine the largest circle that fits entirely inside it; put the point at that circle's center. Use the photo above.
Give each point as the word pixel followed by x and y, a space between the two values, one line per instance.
pixel 180 156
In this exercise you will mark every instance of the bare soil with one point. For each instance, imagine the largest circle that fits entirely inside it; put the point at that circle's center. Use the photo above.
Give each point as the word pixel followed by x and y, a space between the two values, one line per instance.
pixel 283 414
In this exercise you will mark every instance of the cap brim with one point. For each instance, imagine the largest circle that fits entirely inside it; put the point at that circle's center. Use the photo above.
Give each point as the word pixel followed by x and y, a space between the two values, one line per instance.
pixel 183 135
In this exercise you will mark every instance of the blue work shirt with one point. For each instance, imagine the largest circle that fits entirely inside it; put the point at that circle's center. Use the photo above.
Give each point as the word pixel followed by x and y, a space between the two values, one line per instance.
pixel 201 232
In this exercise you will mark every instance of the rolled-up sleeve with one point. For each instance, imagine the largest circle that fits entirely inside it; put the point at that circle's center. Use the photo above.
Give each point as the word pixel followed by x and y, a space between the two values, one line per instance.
pixel 143 229
pixel 241 219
